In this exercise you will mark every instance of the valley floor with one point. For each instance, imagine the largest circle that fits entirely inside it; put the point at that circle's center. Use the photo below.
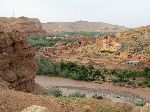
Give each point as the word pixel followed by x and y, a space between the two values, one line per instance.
pixel 105 89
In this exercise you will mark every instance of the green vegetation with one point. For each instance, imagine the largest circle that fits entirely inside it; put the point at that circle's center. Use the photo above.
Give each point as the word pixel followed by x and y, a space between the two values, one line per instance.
pixel 55 92
pixel 133 77
pixel 105 109
pixel 94 105
pixel 140 104
pixel 90 34
pixel 39 42
pixel 77 94
pixel 145 83
pixel 105 51
pixel 126 76
pixel 67 69
pixel 48 41
pixel 89 73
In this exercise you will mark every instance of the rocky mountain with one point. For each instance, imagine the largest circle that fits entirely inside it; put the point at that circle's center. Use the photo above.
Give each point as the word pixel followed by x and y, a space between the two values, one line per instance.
pixel 81 26
pixel 27 26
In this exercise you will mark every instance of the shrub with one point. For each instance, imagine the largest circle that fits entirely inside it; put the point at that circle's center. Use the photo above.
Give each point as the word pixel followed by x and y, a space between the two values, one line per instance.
pixel 105 51
pixel 147 72
pixel 55 92
pixel 67 69
pixel 140 104
pixel 89 73
pixel 90 34
pixel 39 42
pixel 146 83
pixel 97 96
pixel 109 109
pixel 126 75
pixel 45 66
pixel 77 94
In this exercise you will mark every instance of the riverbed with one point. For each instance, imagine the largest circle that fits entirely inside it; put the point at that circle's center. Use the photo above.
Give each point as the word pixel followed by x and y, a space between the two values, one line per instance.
pixel 105 89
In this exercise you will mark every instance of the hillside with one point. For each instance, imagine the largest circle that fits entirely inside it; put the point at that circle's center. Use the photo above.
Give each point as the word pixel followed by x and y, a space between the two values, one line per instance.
pixel 28 26
pixel 135 40
pixel 137 33
pixel 81 26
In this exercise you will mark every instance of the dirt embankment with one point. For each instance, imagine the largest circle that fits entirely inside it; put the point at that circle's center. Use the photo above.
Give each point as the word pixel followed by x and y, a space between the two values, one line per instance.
pixel 17 66
pixel 13 101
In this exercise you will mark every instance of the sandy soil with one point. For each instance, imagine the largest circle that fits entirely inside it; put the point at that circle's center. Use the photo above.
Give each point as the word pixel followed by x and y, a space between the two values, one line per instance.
pixel 15 101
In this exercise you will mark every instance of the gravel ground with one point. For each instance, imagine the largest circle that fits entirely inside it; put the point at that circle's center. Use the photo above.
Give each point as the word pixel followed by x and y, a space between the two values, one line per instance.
pixel 16 101
pixel 117 96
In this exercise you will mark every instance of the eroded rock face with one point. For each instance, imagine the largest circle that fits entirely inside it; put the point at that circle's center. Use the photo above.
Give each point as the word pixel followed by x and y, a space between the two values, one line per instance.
pixel 17 66
pixel 27 26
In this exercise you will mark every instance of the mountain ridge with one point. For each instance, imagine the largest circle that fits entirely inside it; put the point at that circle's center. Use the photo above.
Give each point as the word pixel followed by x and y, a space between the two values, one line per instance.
pixel 82 26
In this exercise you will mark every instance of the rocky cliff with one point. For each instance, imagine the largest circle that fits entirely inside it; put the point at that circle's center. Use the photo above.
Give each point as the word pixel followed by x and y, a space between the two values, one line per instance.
pixel 17 66
pixel 27 26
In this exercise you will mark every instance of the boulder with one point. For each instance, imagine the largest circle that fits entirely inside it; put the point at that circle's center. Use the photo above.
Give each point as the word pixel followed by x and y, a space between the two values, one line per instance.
pixel 35 108
pixel 87 108
pixel 145 108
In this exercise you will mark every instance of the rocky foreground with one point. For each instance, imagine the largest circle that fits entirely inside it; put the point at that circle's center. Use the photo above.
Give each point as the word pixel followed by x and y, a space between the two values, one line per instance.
pixel 17 65
pixel 118 96
pixel 13 101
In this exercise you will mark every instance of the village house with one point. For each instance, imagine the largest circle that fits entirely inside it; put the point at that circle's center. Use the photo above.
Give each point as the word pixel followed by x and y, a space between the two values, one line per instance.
pixel 134 59
pixel 49 50
pixel 85 40
pixel 133 63
pixel 108 43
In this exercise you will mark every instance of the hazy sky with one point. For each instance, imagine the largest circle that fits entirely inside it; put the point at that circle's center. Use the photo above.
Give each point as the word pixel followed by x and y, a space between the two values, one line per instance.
pixel 129 13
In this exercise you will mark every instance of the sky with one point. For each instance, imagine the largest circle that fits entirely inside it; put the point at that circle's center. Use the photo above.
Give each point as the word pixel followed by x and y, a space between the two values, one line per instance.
pixel 129 13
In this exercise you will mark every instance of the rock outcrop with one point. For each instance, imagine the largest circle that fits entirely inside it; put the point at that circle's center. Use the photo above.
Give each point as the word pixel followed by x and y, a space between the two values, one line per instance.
pixel 16 101
pixel 145 108
pixel 27 26
pixel 136 33
pixel 35 108
pixel 17 66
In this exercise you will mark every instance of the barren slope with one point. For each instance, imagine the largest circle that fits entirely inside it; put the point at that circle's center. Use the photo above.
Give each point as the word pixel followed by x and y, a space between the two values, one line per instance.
pixel 81 26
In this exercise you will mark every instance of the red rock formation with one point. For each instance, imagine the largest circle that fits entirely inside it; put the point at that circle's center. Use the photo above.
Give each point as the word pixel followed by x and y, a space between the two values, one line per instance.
pixel 27 26
pixel 17 66
pixel 108 43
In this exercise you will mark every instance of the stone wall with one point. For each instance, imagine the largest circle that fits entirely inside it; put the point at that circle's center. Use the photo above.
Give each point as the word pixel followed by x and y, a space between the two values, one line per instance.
pixel 17 66
pixel 108 43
